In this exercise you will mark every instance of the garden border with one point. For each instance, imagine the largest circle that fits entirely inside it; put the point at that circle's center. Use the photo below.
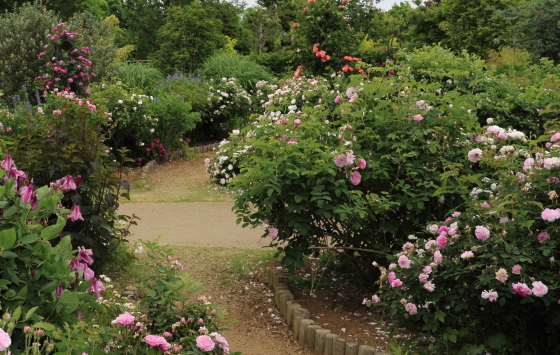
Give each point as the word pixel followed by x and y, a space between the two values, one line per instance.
pixel 306 332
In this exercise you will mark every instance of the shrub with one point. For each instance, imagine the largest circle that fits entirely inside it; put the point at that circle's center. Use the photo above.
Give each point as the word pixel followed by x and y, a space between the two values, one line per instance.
pixel 23 35
pixel 279 63
pixel 139 75
pixel 231 65
pixel 484 280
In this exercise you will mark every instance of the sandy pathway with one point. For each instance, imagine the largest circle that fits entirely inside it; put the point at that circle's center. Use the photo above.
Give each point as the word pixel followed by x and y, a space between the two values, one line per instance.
pixel 202 226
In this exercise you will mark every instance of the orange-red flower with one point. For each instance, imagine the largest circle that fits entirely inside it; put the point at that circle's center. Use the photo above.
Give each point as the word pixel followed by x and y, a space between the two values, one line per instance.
pixel 315 47
pixel 320 54
pixel 361 71
pixel 298 70
pixel 340 6
pixel 347 68
pixel 325 58
pixel 296 24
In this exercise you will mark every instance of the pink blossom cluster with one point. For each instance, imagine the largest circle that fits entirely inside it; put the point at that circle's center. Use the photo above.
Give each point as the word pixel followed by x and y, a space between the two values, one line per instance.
pixel 157 342
pixel 206 343
pixel 124 319
pixel 348 159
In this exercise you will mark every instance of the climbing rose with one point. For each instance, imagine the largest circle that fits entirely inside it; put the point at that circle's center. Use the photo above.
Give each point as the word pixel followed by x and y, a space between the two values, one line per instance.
pixel 482 233
pixel 158 342
pixel 355 178
pixel 205 343
pixel 441 241
pixel 404 262
pixel 427 269
pixel 391 277
pixel 429 286
pixel 475 155
pixel 272 233
pixel 438 258
pixel 411 308
pixel 423 278
pixel 408 247
pixel 516 269
pixel 361 164
pixel 124 319
pixel 489 295
pixel 5 340
pixel 550 215
pixel 396 283
pixel 467 255
pixel 539 289
pixel 501 275
pixel 521 289
pixel 340 160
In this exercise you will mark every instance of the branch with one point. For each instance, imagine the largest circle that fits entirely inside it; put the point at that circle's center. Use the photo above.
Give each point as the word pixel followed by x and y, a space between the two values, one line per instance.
pixel 349 248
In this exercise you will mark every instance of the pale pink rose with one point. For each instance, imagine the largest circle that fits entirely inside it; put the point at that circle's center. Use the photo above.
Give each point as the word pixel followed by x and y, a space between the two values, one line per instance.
pixel 481 232
pixel 408 247
pixel 521 289
pixel 485 205
pixel 361 164
pixel 429 286
pixel 420 103
pixel 474 155
pixel 423 278
pixel 433 228
pixel 539 289
pixel 396 283
pixel 205 343
pixel 404 262
pixel 272 233
pixel 411 308
pixel 158 342
pixel 516 269
pixel 489 295
pixel 455 214
pixel 467 255
pixel 375 299
pixel 337 98
pixel 430 245
pixel 550 215
pixel 355 178
pixel 417 118
pixel 124 319
pixel 392 266
pixel 57 112
pixel 391 277
pixel 427 269
pixel 555 137
pixel 5 340
pixel 438 258
pixel 340 160
pixel 501 275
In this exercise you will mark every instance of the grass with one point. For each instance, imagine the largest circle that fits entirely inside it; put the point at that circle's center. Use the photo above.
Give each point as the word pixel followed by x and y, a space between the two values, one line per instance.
pixel 139 75
pixel 145 190
pixel 231 65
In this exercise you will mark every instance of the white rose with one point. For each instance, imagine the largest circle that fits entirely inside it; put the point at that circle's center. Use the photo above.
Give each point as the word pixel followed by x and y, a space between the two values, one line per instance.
pixel 235 132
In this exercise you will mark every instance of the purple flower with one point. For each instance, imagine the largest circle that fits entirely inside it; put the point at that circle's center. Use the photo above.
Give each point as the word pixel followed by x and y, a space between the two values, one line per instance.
pixel 75 214
pixel 85 255
pixel 65 184
pixel 95 287
pixel 26 193
pixel 59 290
pixel 7 163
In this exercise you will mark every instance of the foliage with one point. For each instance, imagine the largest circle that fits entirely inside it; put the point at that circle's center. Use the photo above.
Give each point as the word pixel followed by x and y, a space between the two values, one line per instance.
pixel 467 281
pixel 64 8
pixel 64 137
pixel 42 282
pixel 279 63
pixel 139 75
pixel 230 65
pixel 534 27
pixel 264 29
pixel 190 35
pixel 323 37
pixel 23 33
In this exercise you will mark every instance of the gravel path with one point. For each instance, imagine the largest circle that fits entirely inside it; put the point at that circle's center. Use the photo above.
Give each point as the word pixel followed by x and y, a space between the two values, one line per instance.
pixel 203 225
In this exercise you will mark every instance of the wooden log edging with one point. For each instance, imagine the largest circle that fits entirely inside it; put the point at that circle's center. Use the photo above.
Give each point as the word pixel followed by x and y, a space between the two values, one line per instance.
pixel 308 334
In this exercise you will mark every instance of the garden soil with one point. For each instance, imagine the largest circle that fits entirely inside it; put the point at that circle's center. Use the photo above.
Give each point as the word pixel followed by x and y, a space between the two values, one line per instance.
pixel 201 225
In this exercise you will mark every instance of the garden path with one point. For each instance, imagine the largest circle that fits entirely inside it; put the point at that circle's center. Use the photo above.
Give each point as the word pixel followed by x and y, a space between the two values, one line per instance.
pixel 197 229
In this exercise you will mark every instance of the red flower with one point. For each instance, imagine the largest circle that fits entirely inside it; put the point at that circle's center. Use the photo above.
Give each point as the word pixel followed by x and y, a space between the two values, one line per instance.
pixel 296 24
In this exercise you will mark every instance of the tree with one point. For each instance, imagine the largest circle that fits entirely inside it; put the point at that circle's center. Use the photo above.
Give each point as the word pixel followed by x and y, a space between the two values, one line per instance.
pixel 535 26
pixel 264 26
pixel 65 9
pixel 191 34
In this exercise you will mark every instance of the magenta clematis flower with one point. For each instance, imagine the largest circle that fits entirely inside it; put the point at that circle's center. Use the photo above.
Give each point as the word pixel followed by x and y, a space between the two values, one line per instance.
pixel 26 193
pixel 95 287
pixel 64 184
pixel 75 214
pixel 84 255
pixel 59 290
pixel 7 163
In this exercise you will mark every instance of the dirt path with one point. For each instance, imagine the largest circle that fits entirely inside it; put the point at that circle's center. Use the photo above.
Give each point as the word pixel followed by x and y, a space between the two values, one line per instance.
pixel 206 236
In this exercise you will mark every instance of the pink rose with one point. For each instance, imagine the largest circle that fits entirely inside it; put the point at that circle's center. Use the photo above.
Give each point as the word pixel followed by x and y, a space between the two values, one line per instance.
pixel 411 308
pixel 481 232
pixel 539 289
pixel 516 269
pixel 521 289
pixel 205 343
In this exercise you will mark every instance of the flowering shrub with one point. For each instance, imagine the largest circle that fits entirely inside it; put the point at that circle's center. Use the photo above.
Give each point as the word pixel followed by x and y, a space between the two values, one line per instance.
pixel 69 74
pixel 225 166
pixel 64 137
pixel 485 279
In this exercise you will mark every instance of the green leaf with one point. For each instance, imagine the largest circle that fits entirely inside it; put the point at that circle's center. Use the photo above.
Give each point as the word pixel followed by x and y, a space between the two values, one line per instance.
pixel 53 231
pixel 17 313
pixel 496 341
pixel 7 238
pixel 30 313
pixel 70 301
pixel 29 238
pixel 298 198
pixel 46 326
pixel 9 255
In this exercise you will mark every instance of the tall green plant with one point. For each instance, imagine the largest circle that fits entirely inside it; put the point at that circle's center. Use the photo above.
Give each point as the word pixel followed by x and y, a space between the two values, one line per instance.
pixel 139 75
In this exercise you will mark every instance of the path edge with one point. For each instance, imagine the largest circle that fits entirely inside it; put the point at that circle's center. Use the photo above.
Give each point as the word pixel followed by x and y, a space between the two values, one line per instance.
pixel 308 334
pixel 147 169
